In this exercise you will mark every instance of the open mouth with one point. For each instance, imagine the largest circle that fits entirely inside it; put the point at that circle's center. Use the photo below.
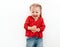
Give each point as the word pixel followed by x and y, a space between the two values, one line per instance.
pixel 35 15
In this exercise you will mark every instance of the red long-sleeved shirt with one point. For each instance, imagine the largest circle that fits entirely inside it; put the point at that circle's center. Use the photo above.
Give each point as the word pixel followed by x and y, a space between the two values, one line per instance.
pixel 30 21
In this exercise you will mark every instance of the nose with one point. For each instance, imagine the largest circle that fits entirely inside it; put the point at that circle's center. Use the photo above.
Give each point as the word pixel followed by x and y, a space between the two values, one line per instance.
pixel 34 13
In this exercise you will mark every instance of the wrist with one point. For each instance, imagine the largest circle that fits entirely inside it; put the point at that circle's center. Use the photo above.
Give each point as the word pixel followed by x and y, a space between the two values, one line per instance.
pixel 29 28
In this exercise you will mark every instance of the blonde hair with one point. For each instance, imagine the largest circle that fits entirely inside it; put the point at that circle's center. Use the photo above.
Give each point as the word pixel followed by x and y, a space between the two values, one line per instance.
pixel 37 5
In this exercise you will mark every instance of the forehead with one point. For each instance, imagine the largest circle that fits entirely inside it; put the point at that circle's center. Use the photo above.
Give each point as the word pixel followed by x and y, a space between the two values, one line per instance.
pixel 35 8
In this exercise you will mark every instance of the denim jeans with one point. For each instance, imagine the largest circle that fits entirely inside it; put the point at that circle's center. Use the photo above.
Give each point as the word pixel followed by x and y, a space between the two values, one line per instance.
pixel 34 42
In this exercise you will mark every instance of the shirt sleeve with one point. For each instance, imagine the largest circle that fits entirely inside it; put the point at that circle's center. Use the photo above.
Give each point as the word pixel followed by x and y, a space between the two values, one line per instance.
pixel 42 27
pixel 26 24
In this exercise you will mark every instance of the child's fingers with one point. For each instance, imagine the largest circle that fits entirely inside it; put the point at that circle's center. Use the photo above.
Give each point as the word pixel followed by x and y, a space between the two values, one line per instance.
pixel 33 31
pixel 34 26
pixel 38 29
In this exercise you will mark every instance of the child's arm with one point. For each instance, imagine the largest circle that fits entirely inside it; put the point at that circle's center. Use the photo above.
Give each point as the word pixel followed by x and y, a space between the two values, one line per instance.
pixel 26 24
pixel 42 27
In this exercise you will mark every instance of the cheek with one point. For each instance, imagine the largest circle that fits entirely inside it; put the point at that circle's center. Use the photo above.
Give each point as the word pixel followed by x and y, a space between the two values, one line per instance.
pixel 39 13
pixel 32 13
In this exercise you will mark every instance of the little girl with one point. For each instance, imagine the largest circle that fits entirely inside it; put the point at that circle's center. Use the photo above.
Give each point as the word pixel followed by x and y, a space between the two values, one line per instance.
pixel 34 26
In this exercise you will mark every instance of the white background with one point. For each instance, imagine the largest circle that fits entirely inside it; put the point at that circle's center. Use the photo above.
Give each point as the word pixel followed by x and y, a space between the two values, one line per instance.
pixel 12 17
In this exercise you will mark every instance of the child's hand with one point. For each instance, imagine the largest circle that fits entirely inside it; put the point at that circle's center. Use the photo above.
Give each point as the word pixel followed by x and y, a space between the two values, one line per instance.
pixel 38 29
pixel 34 28
pixel 31 28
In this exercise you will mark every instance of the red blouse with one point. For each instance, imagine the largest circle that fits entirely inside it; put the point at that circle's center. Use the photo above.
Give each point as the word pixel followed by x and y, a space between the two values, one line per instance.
pixel 30 21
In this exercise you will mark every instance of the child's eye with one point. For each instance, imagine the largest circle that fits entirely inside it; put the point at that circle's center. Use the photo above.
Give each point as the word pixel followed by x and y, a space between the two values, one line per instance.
pixel 36 12
pixel 32 12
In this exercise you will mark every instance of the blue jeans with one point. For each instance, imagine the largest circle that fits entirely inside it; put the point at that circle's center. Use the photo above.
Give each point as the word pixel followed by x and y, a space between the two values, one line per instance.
pixel 34 42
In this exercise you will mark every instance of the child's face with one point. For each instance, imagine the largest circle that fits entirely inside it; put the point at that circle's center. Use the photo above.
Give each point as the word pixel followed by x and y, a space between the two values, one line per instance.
pixel 35 11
